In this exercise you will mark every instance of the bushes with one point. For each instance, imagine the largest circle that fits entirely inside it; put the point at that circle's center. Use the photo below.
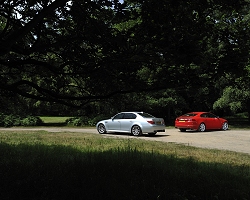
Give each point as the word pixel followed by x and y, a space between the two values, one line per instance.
pixel 84 121
pixel 16 120
pixel 31 121
pixel 77 121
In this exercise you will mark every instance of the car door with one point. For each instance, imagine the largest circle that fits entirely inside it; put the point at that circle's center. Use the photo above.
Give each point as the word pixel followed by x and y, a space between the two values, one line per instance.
pixel 205 119
pixel 214 122
pixel 115 123
pixel 127 122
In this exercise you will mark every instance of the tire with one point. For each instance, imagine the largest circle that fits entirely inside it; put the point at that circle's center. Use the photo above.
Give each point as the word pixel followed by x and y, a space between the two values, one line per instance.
pixel 152 134
pixel 136 130
pixel 224 126
pixel 202 127
pixel 182 130
pixel 101 129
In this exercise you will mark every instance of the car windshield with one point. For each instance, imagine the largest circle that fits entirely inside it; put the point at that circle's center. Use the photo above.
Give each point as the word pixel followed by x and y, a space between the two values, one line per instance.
pixel 189 115
pixel 146 115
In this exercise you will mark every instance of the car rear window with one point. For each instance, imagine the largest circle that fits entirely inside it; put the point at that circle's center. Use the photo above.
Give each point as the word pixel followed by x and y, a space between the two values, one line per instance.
pixel 189 115
pixel 146 115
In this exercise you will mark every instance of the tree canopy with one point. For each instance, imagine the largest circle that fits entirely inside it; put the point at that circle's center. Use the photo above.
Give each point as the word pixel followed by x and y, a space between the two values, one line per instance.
pixel 164 55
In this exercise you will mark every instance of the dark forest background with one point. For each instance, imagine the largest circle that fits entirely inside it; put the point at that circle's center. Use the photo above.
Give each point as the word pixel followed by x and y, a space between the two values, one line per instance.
pixel 96 57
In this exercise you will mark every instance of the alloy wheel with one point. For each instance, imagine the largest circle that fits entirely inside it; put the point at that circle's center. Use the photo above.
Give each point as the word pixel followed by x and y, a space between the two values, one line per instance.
pixel 101 129
pixel 202 127
pixel 136 130
pixel 225 126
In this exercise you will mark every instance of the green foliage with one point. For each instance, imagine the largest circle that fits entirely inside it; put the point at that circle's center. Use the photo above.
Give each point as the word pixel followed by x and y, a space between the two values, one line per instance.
pixel 84 121
pixel 16 120
pixel 77 121
pixel 234 98
pixel 74 53
pixel 10 120
pixel 31 121
pixel 240 116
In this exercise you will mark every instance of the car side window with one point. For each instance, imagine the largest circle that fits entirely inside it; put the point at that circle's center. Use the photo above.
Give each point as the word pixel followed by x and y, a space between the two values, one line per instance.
pixel 210 115
pixel 204 115
pixel 118 116
pixel 129 116
pixel 133 116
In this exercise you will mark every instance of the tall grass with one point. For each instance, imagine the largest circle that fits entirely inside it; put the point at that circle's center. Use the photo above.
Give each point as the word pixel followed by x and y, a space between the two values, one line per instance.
pixel 41 165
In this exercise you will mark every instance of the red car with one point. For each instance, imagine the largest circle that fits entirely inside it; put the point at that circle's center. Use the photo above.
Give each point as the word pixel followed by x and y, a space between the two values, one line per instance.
pixel 200 121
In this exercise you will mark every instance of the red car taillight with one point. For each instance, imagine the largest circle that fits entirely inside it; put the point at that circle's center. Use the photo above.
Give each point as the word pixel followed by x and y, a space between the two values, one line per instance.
pixel 151 121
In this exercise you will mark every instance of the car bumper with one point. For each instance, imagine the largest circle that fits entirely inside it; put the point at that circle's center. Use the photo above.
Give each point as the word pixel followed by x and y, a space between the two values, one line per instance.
pixel 151 129
pixel 186 126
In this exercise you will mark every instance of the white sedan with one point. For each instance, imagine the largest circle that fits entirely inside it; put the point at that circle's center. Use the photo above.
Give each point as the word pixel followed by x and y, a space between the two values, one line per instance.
pixel 135 123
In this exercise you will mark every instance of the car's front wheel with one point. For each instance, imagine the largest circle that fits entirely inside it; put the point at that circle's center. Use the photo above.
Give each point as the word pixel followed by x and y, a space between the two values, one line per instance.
pixel 101 129
pixel 224 126
pixel 202 127
pixel 136 130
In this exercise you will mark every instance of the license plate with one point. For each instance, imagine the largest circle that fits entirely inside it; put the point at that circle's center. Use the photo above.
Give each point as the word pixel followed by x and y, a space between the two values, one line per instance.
pixel 158 123
pixel 181 120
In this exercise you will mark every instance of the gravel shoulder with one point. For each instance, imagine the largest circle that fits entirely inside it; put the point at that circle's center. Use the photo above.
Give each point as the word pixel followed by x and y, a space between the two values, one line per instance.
pixel 232 140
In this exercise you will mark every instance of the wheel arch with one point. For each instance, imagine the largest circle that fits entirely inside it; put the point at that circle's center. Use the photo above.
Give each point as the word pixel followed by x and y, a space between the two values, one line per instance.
pixel 135 131
pixel 103 123
pixel 199 126
pixel 137 124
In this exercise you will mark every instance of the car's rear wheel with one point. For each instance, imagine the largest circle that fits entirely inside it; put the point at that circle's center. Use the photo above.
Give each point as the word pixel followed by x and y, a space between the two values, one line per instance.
pixel 224 126
pixel 182 129
pixel 101 129
pixel 202 127
pixel 136 130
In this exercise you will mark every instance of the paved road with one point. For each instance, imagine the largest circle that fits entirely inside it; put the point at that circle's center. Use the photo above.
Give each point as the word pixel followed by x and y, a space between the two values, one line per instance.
pixel 233 140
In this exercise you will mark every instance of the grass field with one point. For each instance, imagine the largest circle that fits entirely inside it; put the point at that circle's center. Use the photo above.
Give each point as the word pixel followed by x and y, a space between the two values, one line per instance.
pixel 42 165
pixel 54 120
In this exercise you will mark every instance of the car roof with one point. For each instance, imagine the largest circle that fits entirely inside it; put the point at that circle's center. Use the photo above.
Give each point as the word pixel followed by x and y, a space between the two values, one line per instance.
pixel 132 112
pixel 196 113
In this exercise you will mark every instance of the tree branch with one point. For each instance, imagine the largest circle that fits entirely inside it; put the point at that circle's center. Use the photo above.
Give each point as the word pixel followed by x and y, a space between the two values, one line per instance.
pixel 7 43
